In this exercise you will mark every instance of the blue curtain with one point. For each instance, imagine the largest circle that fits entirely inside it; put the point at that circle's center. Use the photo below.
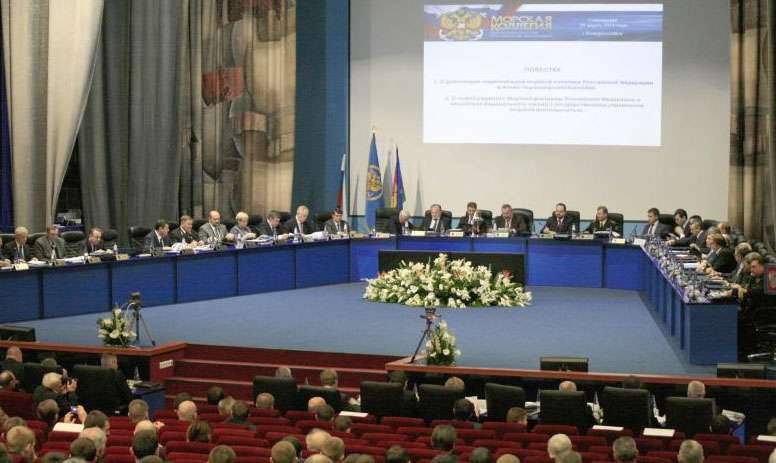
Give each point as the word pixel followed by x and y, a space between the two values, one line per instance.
pixel 6 194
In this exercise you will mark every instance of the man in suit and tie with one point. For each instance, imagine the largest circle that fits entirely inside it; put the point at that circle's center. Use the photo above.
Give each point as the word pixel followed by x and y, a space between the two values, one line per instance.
pixel 50 246
pixel 158 238
pixel 299 223
pixel 18 250
pixel 516 224
pixel 653 228
pixel 94 241
pixel 271 227
pixel 214 230
pixel 692 238
pixel 402 225
pixel 558 222
pixel 335 225
pixel 471 222
pixel 603 223
pixel 185 232
pixel 720 258
pixel 434 221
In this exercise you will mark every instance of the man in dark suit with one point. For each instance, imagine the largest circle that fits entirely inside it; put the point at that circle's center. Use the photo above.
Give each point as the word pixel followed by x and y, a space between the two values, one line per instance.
pixel 434 222
pixel 158 238
pixel 271 226
pixel 18 250
pixel 185 232
pixel 693 237
pixel 299 223
pixel 603 223
pixel 401 225
pixel 516 224
pixel 214 230
pixel 240 413
pixel 335 225
pixel 471 222
pixel 720 258
pixel 53 388
pixel 654 228
pixel 94 241
pixel 558 221
pixel 13 361
pixel 49 246
pixel 122 389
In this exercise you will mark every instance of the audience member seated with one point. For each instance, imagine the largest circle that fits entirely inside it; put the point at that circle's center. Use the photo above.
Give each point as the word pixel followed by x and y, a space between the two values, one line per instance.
pixel 187 411
pixel 284 452
pixel 396 454
pixel 54 457
pixel 342 423
pixel 49 412
pixel 299 223
pixel 696 390
pixel 8 381
pixel 49 246
pixel 18 250
pixel 681 224
pixel 157 239
pixel 515 224
pixel 265 401
pixel 695 238
pixel 225 406
pixel 181 397
pixel 144 443
pixel 443 438
pixel 471 222
pixel 434 221
pixel 137 411
pixel 750 295
pixel 214 395
pixel 741 273
pixel 335 225
pixel 324 413
pixel 334 448
pixel 185 232
pixel 52 388
pixel 329 380
pixel 409 405
pixel 624 450
pixel 402 225
pixel 632 382
pixel 727 232
pixel 283 372
pixel 298 448
pixel 315 439
pixel 222 454
pixel 558 445
pixel 480 455
pixel 13 361
pixel 770 429
pixel 11 423
pixel 98 438
pixel 558 222
pixel 463 410
pixel 111 361
pixel 507 458
pixel 602 223
pixel 690 452
pixel 314 403
pixel 199 431
pixel 517 415
pixel 456 383
pixel 240 413
pixel 569 457
pixel 318 458
pixel 653 228
pixel 84 449
pixel 146 425
pixel 94 241
pixel 20 443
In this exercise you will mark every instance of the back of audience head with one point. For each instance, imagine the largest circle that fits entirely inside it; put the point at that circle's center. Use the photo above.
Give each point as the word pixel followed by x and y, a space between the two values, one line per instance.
pixel 145 443
pixel 8 381
pixel 12 422
pixel 397 376
pixel 342 423
pixel 151 459
pixel 314 403
pixel 145 425
pixel 214 395
pixel 318 458
pixel 463 410
pixel 49 362
pixel 690 452
pixel 324 412
pixel 571 456
pixel 137 410
pixel 295 443
pixel 265 401
pixel 199 431
pixel 363 458
pixel 558 444
pixel 21 440
pixel 283 452
pixel 443 437
pixel 48 412
pixel 720 424
pixel 334 448
pixel 97 419
pixel 98 437
pixel 632 382
pixel 696 390
pixel 507 458
pixel 240 410
pixel 14 353
pixel 455 383
pixel 181 397
pixel 480 455
pixel 283 372
pixel 225 406
pixel 187 410
pixel 84 449
pixel 445 458
pixel 517 415
pixel 351 458
pixel 567 386
pixel 222 454
pixel 396 454
pixel 53 457
pixel 624 450
pixel 329 377
pixel 315 439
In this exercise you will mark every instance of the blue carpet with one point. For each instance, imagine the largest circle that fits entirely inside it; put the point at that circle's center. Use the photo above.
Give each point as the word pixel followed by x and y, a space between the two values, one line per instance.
pixel 612 327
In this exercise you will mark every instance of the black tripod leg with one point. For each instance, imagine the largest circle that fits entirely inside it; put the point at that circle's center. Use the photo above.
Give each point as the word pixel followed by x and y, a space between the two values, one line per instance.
pixel 145 328
pixel 423 337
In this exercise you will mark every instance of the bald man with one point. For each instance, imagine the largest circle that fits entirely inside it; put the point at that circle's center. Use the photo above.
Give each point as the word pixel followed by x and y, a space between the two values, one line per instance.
pixel 13 361
pixel 558 445
pixel 17 250
pixel 110 361
pixel 187 411
pixel 315 439
pixel 299 223
pixel 314 403
pixel 214 231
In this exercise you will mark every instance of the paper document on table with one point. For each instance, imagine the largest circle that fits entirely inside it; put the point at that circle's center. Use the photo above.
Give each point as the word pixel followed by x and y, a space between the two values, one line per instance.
pixel 690 265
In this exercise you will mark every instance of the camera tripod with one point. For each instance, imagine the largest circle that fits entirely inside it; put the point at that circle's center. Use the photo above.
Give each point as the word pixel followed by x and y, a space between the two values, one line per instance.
pixel 135 303
pixel 430 316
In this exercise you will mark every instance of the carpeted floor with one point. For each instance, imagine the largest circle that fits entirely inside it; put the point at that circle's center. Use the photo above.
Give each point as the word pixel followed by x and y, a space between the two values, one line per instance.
pixel 611 327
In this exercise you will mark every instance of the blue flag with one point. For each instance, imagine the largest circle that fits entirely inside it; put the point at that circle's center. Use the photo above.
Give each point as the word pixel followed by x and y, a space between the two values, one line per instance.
pixel 397 190
pixel 374 185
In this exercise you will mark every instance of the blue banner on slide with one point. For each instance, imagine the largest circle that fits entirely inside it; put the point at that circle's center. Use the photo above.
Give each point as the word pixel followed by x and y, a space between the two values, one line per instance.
pixel 543 22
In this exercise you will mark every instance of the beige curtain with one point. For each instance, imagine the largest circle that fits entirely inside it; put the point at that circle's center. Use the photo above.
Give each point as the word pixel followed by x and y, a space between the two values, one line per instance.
pixel 49 48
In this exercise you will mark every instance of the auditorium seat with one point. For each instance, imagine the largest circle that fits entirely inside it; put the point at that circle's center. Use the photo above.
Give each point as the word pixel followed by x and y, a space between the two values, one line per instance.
pixel 73 243
pixel 526 438
pixel 263 412
pixel 196 224
pixel 730 459
pixel 321 218
pixel 6 238
pixel 250 450
pixel 574 217
pixel 375 438
pixel 277 420
pixel 381 398
pixel 651 459
pixel 384 216
pixel 296 415
pixel 307 425
pixel 500 398
pixel 724 440
pixel 254 220
pixel 761 452
pixel 436 402
pixel 284 390
pixel 528 214
pixel 119 440
pixel 666 454
pixel 189 447
pixel 564 408
pixel 33 237
pixel 137 236
pixel 610 435
pixel 357 429
pixel 275 436
pixel 454 423
pixel 402 421
pixel 667 219
pixel 689 416
pixel 109 237
pixel 648 444
pixel 285 216
pixel 503 428
pixel 114 458
pixel 486 216
pixel 17 404
pixel 470 435
pixel 539 459
pixel 413 432
pixel 170 436
pixel 331 396
pixel 618 218
pixel 628 408
pixel 492 444
pixel 708 223
pixel 603 449
pixel 228 223
pixel 265 430
pixel 590 457
pixel 583 443
pixel 97 388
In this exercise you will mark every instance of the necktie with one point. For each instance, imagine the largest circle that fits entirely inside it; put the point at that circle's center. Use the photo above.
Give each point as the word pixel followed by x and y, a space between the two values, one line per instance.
pixel 53 248
pixel 433 224
pixel 651 230
pixel 336 224
pixel 20 251
pixel 509 224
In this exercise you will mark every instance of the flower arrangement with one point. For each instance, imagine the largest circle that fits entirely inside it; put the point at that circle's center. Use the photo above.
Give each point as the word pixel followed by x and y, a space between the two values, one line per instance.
pixel 455 283
pixel 115 330
pixel 440 346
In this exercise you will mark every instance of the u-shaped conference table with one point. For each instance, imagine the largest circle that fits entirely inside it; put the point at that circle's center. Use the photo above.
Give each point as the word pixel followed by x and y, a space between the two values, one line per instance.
pixel 705 333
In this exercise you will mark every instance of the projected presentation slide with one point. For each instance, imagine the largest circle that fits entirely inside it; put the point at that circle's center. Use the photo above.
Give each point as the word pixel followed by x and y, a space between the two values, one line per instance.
pixel 561 74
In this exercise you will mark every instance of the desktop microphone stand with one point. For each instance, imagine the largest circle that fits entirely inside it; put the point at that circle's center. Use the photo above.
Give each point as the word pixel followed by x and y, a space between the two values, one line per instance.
pixel 429 317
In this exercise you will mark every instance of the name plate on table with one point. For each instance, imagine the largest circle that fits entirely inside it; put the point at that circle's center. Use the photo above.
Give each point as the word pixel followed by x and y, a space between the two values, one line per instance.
pixel 187 251
pixel 59 262
pixel 586 236
pixel 618 240
pixel 21 266
pixel 499 234
pixel 381 235
pixel 546 236
pixel 357 235
pixel 94 260
pixel 121 257
pixel 418 233
pixel 639 241
pixel 455 233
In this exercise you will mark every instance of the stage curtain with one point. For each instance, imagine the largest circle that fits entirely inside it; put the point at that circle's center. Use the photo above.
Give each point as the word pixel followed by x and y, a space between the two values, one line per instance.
pixel 239 106
pixel 50 47
pixel 752 199
pixel 6 177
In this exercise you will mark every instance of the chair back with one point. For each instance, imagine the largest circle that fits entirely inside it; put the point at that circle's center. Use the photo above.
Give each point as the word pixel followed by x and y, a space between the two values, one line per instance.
pixel 321 218
pixel 137 237
pixel 384 216
pixel 561 407
pixel 97 388
pixel 573 217
pixel 381 398
pixel 284 390
pixel 436 402
pixel 74 241
pixel 110 237
pixel 331 396
pixel 689 416
pixel 33 374
pixel 667 219
pixel 285 216
pixel 33 237
pixel 619 219
pixel 6 238
pixel 708 223
pixel 628 408
pixel 486 216
pixel 196 224
pixel 254 220
pixel 500 398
